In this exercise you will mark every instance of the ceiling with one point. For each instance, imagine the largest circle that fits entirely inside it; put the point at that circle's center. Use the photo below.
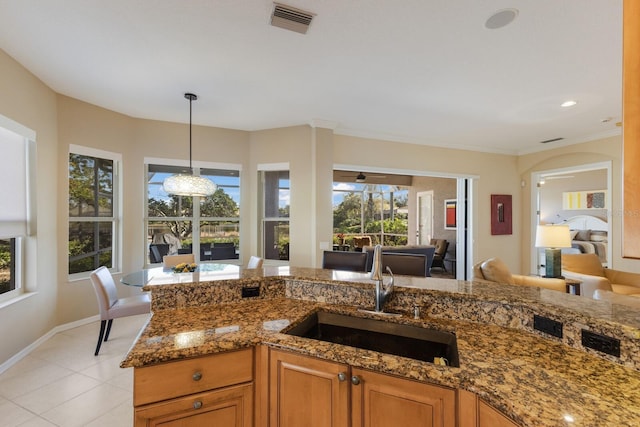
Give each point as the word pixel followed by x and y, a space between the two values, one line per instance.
pixel 417 71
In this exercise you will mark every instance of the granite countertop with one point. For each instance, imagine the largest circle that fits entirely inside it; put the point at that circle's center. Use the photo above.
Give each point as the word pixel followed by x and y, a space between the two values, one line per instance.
pixel 536 380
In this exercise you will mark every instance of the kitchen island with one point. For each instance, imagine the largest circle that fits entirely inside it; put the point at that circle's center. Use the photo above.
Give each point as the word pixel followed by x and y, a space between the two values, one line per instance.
pixel 532 377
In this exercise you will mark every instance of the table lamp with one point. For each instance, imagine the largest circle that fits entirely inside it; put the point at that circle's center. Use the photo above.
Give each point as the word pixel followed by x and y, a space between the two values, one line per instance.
pixel 552 238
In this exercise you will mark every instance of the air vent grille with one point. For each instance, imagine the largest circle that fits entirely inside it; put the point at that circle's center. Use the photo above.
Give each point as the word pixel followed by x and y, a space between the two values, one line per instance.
pixel 291 18
pixel 551 140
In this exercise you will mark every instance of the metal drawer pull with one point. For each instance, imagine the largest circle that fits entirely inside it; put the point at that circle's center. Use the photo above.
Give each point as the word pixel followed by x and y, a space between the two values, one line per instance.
pixel 197 376
pixel 197 404
pixel 355 380
pixel 342 376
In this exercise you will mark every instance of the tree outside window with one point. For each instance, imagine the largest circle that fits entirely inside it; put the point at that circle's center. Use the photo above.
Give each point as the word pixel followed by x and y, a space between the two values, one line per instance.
pixel 92 223
pixel 378 211
pixel 182 227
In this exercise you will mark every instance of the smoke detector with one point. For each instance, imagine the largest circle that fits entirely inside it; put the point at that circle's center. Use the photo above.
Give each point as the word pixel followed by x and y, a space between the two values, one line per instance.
pixel 290 18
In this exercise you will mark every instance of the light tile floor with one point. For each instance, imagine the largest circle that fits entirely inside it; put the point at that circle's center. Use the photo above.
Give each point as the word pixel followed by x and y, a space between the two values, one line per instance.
pixel 61 383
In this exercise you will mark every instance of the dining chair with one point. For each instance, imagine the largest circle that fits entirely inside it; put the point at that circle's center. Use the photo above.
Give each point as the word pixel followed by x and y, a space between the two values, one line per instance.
pixel 169 261
pixel 111 307
pixel 255 262
pixel 340 260
pixel 405 264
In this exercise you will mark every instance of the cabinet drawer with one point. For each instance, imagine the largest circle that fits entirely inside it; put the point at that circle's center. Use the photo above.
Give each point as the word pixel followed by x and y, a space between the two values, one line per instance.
pixel 173 379
pixel 231 406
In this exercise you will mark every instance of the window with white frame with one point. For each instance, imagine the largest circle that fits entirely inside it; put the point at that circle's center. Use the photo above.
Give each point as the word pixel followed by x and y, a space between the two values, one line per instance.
pixel 208 227
pixel 17 210
pixel 276 193
pixel 94 209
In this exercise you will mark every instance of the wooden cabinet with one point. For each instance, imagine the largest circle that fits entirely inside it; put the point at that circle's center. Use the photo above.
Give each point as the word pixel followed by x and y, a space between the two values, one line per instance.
pixel 475 412
pixel 631 127
pixel 488 416
pixel 380 400
pixel 211 390
pixel 305 391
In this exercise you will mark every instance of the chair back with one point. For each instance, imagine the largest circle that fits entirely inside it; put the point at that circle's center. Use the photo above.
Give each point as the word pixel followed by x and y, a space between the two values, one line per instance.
pixel 254 262
pixel 157 251
pixel 588 264
pixel 341 260
pixel 105 289
pixel 441 247
pixel 405 264
pixel 169 261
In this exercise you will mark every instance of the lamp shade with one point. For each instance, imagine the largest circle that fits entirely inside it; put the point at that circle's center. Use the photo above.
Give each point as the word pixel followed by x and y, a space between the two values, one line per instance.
pixel 188 185
pixel 553 236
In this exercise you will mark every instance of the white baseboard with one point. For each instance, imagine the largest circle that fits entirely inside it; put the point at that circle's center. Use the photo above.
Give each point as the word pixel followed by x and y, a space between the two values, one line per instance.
pixel 60 328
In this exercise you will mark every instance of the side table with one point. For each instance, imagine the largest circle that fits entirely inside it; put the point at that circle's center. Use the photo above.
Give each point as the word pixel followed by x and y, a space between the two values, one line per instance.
pixel 573 286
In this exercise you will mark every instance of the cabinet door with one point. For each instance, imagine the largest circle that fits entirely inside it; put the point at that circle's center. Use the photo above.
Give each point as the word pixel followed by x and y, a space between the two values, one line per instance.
pixel 305 391
pixel 232 407
pixel 380 400
pixel 490 417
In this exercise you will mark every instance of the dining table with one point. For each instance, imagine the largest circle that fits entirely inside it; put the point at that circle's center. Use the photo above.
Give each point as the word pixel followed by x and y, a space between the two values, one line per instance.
pixel 205 272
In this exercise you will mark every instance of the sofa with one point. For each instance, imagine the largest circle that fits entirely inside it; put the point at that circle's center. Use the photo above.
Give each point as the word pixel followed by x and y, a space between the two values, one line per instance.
pixel 589 270
pixel 495 270
pixel 426 250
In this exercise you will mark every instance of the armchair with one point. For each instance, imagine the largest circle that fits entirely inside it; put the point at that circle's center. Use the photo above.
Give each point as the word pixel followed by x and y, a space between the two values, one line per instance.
pixel 495 270
pixel 441 251
pixel 588 269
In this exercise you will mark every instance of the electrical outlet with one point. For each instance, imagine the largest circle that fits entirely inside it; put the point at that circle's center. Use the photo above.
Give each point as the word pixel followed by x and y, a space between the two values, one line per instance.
pixel 602 343
pixel 250 291
pixel 548 326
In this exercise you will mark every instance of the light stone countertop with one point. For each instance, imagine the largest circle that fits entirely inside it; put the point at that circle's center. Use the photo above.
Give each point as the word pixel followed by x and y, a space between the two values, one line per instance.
pixel 536 379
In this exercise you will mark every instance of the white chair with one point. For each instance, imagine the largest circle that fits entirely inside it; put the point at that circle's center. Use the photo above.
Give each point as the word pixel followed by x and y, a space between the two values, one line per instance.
pixel 111 307
pixel 255 262
pixel 169 261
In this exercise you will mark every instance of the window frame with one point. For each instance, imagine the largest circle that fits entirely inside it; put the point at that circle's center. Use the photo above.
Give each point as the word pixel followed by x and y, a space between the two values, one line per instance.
pixel 20 242
pixel 115 219
pixel 266 219
pixel 196 219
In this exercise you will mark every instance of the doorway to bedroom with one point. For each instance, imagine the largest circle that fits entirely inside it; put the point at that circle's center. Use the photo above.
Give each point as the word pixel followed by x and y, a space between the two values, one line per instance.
pixel 577 196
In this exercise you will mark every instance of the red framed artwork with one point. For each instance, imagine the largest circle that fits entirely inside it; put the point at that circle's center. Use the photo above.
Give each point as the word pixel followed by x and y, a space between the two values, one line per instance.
pixel 450 214
pixel 500 214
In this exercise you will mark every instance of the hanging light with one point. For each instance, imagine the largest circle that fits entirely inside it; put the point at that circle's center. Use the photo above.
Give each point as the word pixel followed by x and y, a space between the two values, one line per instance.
pixel 189 184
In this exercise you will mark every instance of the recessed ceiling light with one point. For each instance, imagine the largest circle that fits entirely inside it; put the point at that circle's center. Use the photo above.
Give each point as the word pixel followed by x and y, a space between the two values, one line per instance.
pixel 569 103
pixel 501 19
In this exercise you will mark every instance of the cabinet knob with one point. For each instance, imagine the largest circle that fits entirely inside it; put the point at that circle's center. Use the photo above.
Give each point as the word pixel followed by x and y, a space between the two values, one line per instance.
pixel 355 380
pixel 197 404
pixel 197 376
pixel 342 376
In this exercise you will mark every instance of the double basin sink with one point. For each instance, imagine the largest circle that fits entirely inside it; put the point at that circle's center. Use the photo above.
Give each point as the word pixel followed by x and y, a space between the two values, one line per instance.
pixel 429 345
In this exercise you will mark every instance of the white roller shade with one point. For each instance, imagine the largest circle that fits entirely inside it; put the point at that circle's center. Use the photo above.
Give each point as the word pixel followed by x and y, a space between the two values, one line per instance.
pixel 16 155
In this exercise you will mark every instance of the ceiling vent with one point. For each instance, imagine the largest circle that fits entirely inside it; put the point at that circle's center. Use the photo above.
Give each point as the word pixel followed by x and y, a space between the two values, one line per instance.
pixel 551 140
pixel 290 18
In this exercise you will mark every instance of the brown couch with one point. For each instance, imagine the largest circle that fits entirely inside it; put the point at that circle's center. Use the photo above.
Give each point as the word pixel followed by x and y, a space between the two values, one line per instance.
pixel 495 270
pixel 589 270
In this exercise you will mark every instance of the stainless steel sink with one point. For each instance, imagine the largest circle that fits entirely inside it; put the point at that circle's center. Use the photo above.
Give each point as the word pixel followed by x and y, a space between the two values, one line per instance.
pixel 380 335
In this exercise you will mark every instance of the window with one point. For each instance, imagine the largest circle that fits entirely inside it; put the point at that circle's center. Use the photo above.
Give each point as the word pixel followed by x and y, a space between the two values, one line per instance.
pixel 93 210
pixel 209 227
pixel 17 210
pixel 275 214
pixel 379 211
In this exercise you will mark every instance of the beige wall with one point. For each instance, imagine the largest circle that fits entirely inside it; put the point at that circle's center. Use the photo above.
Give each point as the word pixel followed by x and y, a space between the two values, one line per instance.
pixel 603 150
pixel 26 100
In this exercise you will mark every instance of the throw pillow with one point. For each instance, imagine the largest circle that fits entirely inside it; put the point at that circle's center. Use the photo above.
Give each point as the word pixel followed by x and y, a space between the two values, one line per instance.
pixel 584 235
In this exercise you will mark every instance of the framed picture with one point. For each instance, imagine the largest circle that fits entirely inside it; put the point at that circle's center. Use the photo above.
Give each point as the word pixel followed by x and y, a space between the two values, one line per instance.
pixel 450 214
pixel 578 200
pixel 500 214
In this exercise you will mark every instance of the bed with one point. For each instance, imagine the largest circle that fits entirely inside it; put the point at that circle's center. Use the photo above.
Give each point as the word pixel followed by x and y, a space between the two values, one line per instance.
pixel 589 235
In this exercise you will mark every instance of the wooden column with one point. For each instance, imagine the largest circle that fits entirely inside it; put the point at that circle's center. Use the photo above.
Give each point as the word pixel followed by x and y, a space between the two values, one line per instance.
pixel 631 128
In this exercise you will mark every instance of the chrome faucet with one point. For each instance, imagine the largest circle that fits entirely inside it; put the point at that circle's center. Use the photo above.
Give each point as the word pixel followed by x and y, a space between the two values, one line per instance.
pixel 382 291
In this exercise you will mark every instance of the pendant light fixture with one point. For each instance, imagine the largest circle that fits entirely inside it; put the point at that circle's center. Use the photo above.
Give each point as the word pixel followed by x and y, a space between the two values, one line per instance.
pixel 189 184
